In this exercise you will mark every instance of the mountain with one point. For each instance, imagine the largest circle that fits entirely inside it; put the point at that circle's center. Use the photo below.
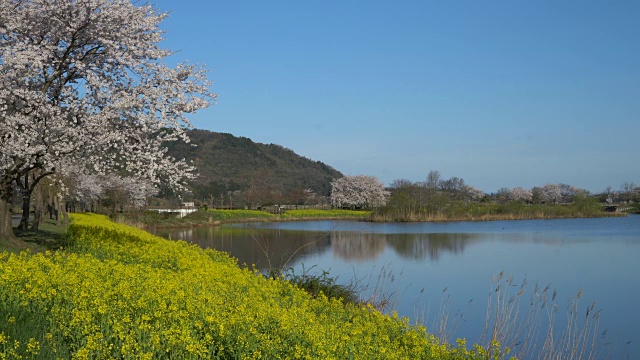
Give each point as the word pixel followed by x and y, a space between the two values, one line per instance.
pixel 251 173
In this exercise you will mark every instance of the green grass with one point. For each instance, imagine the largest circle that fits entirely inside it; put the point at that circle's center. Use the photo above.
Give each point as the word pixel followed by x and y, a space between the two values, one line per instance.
pixel 215 217
pixel 226 215
pixel 198 218
pixel 325 214
pixel 48 237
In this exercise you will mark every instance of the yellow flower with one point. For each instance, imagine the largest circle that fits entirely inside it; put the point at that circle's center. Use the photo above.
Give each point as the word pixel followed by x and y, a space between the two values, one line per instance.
pixel 33 347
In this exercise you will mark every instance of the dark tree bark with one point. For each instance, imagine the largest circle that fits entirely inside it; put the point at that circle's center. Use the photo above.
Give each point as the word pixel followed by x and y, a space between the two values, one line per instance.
pixel 38 208
pixel 6 228
pixel 63 209
pixel 7 237
pixel 26 203
pixel 27 185
pixel 56 206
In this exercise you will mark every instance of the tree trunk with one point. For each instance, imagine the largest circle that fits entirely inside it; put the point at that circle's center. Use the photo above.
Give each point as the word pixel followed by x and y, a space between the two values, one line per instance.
pixel 6 228
pixel 26 203
pixel 56 206
pixel 26 210
pixel 31 180
pixel 8 239
pixel 65 214
pixel 38 208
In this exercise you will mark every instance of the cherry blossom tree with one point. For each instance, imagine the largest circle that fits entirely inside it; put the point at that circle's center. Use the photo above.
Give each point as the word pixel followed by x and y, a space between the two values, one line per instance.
pixel 557 193
pixel 520 194
pixel 93 190
pixel 549 193
pixel 358 191
pixel 473 193
pixel 86 81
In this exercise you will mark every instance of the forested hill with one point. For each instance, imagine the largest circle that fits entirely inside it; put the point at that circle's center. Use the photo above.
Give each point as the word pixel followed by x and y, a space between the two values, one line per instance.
pixel 251 172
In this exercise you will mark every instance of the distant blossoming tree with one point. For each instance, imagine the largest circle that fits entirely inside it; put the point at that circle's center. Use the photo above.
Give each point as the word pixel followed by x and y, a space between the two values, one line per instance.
pixel 86 81
pixel 520 194
pixel 473 193
pixel 549 193
pixel 358 191
pixel 558 193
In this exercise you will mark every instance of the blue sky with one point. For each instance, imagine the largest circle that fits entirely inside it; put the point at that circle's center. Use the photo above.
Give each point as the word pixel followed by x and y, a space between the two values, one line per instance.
pixel 499 93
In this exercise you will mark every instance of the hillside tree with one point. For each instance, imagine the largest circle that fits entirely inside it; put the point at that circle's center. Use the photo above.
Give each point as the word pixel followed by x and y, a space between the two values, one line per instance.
pixel 86 82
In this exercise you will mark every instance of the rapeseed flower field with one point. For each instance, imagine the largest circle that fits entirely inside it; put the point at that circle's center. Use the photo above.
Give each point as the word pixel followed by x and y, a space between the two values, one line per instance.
pixel 120 292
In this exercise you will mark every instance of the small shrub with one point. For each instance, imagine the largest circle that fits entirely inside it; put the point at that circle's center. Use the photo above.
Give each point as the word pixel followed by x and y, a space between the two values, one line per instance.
pixel 322 284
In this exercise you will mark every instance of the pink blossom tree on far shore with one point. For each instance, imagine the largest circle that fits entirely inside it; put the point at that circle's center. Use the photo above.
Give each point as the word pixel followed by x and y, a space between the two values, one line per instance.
pixel 520 194
pixel 473 193
pixel 548 194
pixel 87 82
pixel 557 193
pixel 358 191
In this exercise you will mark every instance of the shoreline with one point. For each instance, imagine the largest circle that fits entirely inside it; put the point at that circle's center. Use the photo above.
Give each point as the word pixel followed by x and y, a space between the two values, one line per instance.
pixel 250 220
pixel 505 217
pixel 185 224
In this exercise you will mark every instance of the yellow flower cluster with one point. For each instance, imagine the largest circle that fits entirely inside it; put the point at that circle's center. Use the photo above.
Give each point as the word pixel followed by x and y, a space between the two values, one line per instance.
pixel 120 292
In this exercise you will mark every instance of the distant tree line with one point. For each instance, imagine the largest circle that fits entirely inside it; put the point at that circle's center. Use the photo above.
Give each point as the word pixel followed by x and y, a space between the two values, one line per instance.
pixel 438 198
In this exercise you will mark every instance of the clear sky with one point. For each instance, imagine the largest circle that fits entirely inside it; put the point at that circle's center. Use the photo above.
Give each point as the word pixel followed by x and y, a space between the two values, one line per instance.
pixel 499 93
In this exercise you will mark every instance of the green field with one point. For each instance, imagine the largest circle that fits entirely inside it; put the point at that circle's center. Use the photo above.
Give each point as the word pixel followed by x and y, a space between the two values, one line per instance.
pixel 325 214
pixel 215 216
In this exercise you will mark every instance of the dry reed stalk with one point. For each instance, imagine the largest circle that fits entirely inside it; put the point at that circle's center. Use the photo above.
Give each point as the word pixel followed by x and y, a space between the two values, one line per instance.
pixel 520 331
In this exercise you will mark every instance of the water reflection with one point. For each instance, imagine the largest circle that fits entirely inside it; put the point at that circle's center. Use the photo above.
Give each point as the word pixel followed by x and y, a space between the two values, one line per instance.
pixel 598 256
pixel 349 245
pixel 277 248
pixel 422 246
pixel 264 248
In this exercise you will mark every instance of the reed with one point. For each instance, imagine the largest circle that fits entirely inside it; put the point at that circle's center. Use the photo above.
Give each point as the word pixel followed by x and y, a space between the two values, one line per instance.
pixel 524 329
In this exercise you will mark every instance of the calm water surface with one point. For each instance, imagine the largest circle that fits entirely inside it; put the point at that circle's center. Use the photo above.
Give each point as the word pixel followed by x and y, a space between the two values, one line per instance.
pixel 598 256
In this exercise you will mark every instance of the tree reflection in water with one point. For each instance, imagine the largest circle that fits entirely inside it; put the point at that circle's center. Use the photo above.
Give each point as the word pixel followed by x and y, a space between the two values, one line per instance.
pixel 278 249
pixel 422 246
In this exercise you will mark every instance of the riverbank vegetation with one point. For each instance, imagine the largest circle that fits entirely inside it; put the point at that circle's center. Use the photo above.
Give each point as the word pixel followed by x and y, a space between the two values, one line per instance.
pixel 483 211
pixel 119 292
pixel 204 217
pixel 313 214
pixel 452 199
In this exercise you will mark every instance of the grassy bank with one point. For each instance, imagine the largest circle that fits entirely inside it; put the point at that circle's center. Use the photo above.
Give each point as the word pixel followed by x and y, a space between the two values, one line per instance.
pixel 455 211
pixel 215 217
pixel 47 237
pixel 119 292
pixel 475 211
pixel 316 214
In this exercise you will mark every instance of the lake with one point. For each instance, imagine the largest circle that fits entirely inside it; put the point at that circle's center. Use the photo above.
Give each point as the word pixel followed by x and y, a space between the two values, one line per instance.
pixel 447 268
